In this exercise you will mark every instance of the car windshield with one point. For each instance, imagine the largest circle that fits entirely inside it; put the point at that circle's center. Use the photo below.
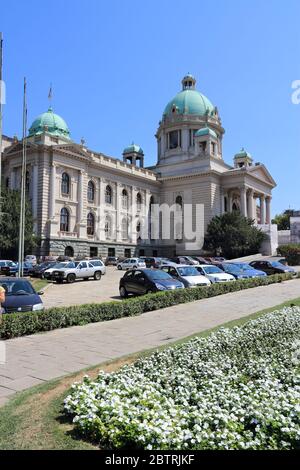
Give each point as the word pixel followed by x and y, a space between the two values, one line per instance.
pixel 18 287
pixel 212 270
pixel 59 265
pixel 188 271
pixel 157 275
pixel 276 264
pixel 244 266
pixel 230 268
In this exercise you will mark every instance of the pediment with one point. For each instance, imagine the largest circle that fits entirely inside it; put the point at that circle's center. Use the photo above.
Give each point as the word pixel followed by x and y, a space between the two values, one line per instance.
pixel 16 148
pixel 261 172
pixel 73 149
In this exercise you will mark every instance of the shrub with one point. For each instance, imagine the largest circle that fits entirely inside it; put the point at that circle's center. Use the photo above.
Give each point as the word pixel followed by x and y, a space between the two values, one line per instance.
pixel 21 324
pixel 291 252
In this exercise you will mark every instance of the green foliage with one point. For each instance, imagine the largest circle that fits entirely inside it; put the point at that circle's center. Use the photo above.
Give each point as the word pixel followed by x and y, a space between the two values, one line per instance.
pixel 21 324
pixel 283 220
pixel 291 252
pixel 9 225
pixel 233 235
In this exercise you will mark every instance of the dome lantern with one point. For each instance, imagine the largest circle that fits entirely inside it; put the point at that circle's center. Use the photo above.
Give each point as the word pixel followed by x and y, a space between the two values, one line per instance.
pixel 188 82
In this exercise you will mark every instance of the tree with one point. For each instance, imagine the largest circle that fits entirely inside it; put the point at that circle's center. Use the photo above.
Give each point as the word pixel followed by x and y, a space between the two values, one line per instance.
pixel 283 220
pixel 9 225
pixel 233 236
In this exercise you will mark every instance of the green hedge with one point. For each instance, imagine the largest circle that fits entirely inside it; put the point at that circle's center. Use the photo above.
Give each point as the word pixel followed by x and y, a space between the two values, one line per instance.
pixel 21 324
pixel 291 252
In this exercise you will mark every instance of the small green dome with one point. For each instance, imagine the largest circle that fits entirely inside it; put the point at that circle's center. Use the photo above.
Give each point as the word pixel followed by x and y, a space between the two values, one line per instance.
pixel 243 154
pixel 133 148
pixel 189 100
pixel 206 131
pixel 50 122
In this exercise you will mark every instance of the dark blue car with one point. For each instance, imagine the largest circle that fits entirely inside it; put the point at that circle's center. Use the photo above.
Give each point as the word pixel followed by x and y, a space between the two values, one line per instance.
pixel 27 269
pixel 145 281
pixel 20 296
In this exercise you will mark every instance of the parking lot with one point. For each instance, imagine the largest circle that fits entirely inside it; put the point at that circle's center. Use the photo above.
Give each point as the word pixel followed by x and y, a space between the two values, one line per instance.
pixel 83 292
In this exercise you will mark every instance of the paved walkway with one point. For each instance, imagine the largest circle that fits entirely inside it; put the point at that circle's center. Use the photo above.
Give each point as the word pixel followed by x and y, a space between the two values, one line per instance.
pixel 32 360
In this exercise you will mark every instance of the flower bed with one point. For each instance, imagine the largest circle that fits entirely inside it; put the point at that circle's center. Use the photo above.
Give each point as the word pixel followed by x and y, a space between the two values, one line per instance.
pixel 238 388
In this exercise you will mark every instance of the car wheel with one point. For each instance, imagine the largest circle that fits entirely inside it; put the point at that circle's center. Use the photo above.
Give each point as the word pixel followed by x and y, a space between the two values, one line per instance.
pixel 120 268
pixel 123 292
pixel 71 278
pixel 97 276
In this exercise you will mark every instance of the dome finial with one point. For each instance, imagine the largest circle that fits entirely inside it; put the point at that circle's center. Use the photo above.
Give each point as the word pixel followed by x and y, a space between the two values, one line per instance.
pixel 188 82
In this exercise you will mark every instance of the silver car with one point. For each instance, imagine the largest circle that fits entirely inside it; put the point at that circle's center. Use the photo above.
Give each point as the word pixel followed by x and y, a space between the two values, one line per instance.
pixel 131 263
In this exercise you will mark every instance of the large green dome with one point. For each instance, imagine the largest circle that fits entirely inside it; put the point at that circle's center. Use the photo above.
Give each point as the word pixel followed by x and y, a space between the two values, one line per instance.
pixel 189 100
pixel 50 122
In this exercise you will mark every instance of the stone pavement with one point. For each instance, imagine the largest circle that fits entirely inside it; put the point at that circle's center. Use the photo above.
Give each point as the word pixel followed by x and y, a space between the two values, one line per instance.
pixel 32 360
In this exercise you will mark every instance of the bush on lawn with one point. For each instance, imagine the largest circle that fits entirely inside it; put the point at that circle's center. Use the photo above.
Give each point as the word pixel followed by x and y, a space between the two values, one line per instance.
pixel 291 252
pixel 21 324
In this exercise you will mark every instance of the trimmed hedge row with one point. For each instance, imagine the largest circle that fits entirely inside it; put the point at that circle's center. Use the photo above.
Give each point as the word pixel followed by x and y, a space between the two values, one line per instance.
pixel 291 252
pixel 21 324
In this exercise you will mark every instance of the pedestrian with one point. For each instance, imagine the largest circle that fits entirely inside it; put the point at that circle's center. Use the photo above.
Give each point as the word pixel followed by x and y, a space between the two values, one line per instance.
pixel 2 298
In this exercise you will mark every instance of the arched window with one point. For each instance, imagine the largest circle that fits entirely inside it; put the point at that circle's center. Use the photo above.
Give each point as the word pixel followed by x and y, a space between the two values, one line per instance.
pixel 69 251
pixel 125 199
pixel 91 191
pixel 108 195
pixel 138 227
pixel 138 201
pixel 64 220
pixel 90 224
pixel 179 201
pixel 124 229
pixel 107 228
pixel 65 183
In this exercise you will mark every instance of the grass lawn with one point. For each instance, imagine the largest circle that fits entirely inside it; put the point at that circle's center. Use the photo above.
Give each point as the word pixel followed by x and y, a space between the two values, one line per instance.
pixel 34 419
pixel 39 284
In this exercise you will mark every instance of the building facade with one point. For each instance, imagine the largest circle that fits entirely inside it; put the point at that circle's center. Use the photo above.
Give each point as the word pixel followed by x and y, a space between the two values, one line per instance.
pixel 90 204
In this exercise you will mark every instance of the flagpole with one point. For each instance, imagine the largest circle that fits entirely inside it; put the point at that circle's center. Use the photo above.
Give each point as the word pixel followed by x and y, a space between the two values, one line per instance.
pixel 1 65
pixel 23 187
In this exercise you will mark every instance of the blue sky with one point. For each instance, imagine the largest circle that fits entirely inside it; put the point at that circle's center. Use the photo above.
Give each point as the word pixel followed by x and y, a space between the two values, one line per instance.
pixel 115 65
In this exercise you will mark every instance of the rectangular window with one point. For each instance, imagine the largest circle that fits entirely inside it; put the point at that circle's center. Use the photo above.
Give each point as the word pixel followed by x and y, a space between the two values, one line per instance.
pixel 127 253
pixel 93 251
pixel 111 252
pixel 192 137
pixel 174 139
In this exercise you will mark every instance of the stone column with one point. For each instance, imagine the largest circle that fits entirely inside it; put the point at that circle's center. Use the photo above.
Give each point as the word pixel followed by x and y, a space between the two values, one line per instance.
pixel 243 195
pixel 79 197
pixel 229 201
pixel 118 212
pixel 222 195
pixel 52 191
pixel 100 211
pixel 262 209
pixel 35 195
pixel 251 204
pixel 268 210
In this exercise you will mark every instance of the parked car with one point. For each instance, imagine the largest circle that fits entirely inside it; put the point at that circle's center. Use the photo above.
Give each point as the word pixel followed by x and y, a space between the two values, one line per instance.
pixel 241 270
pixel 13 270
pixel 131 263
pixel 49 271
pixel 5 266
pixel 214 273
pixel 98 263
pixel 111 261
pixel 77 270
pixel 215 260
pixel 145 281
pixel 200 260
pixel 20 296
pixel 183 260
pixel 188 275
pixel 31 259
pixel 39 269
pixel 272 267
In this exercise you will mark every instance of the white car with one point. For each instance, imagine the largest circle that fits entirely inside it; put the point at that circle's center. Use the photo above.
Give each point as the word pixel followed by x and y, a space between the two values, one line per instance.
pixel 77 270
pixel 188 275
pixel 214 274
pixel 48 273
pixel 98 263
pixel 131 263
